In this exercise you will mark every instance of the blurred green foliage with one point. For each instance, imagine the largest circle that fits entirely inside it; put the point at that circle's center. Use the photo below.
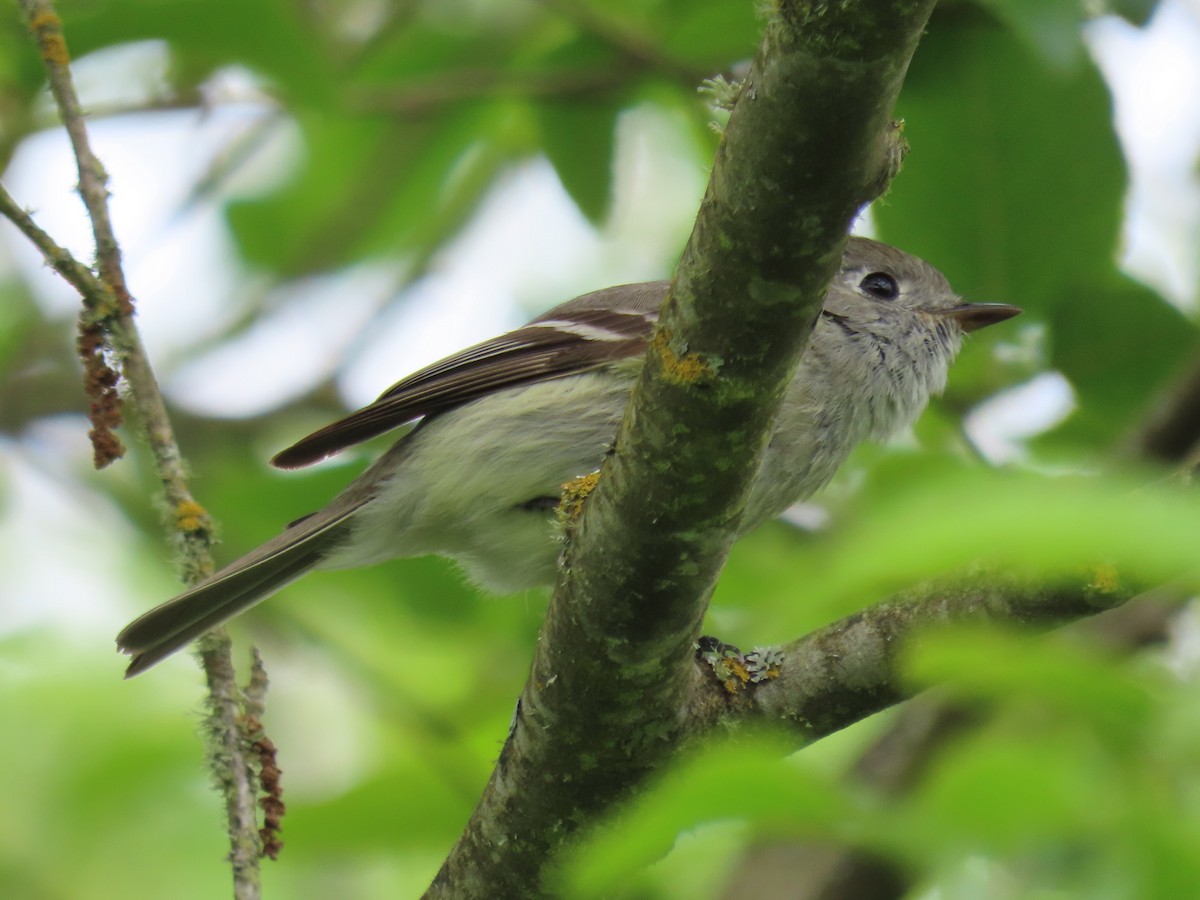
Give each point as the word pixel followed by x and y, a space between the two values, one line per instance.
pixel 1082 784
pixel 392 688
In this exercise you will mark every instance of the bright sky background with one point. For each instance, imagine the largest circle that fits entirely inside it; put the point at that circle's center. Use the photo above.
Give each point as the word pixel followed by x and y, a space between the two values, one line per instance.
pixel 528 249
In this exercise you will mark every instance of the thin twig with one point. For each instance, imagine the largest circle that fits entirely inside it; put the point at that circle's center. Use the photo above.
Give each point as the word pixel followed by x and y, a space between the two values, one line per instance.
pixel 108 335
pixel 75 273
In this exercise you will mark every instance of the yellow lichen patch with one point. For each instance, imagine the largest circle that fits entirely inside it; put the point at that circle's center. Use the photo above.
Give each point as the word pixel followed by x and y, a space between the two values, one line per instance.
pixel 190 516
pixel 736 671
pixel 48 28
pixel 574 492
pixel 690 368
pixel 736 674
pixel 1105 579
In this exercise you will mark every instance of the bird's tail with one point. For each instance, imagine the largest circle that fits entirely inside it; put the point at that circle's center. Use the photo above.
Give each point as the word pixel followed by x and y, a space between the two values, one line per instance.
pixel 173 625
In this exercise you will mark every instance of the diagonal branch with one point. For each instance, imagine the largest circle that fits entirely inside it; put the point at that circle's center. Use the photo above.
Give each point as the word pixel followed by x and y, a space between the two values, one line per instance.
pixel 108 334
pixel 810 141
pixel 840 674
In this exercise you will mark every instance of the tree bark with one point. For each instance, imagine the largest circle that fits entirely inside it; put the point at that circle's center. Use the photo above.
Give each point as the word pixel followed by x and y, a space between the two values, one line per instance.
pixel 809 142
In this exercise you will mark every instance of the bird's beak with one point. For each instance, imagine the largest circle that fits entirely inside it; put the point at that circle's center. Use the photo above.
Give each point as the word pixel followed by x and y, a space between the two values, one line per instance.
pixel 973 316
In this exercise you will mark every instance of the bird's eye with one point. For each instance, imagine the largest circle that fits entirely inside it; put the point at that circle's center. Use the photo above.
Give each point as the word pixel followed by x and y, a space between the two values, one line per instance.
pixel 881 285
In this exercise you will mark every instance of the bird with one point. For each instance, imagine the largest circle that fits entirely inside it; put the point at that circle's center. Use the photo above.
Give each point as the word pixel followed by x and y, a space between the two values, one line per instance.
pixel 502 425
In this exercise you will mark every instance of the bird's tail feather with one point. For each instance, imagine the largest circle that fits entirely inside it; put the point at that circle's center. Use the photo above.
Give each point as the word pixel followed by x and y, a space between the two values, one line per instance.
pixel 245 582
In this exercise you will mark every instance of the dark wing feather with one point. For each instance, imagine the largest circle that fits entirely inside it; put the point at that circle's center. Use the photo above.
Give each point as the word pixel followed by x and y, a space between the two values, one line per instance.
pixel 584 333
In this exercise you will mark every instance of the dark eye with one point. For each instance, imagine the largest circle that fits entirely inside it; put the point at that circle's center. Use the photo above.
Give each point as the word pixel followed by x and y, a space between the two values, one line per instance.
pixel 881 285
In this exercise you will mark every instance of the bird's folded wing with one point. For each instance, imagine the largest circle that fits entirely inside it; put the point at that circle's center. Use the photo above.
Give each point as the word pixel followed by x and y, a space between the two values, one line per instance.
pixel 589 331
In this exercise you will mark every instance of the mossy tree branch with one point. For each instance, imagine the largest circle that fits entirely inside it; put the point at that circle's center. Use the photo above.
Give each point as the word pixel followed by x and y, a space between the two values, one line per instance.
pixel 809 142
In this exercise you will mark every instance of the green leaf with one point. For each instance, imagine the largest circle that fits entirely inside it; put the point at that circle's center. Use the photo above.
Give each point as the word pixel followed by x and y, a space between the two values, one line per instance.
pixel 1118 345
pixel 712 35
pixel 578 139
pixel 263 36
pixel 1136 12
pixel 927 515
pixel 373 186
pixel 1005 793
pixel 1015 182
pixel 318 218
pixel 578 132
pixel 742 780
pixel 1054 28
pixel 1050 672
pixel 447 176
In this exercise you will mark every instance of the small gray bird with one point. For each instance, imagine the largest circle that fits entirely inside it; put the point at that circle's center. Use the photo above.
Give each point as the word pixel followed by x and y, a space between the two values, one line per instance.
pixel 506 423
